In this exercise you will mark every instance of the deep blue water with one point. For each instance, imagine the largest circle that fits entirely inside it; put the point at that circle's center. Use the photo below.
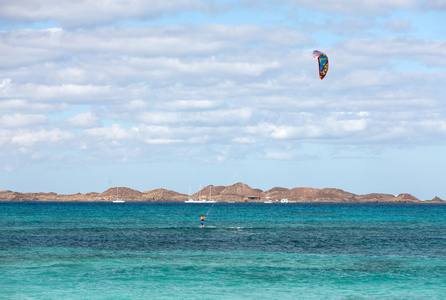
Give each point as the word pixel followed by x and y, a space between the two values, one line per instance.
pixel 253 251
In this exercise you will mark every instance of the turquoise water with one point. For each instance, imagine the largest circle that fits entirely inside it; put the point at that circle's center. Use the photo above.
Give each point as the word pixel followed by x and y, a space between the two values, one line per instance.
pixel 246 251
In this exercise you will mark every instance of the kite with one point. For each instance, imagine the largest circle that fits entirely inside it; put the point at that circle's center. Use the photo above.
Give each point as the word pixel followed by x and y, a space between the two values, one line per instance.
pixel 323 63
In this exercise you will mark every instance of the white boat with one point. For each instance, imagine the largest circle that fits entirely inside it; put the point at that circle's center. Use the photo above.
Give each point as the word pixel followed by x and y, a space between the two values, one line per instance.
pixel 191 200
pixel 210 194
pixel 284 200
pixel 117 200
pixel 268 199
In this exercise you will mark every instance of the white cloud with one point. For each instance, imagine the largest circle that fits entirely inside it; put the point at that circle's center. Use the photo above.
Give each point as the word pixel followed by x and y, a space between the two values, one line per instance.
pixel 5 82
pixel 24 47
pixel 210 89
pixel 245 140
pixel 83 120
pixel 162 141
pixel 16 94
pixel 22 120
pixel 425 51
pixel 190 105
pixel 86 13
pixel 135 105
pixel 41 137
pixel 8 106
pixel 435 4
pixel 114 132
pixel 71 74
pixel 353 26
pixel 211 117
pixel 356 7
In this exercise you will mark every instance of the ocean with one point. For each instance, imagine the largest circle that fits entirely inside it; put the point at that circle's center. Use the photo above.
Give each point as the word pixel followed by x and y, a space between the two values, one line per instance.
pixel 245 251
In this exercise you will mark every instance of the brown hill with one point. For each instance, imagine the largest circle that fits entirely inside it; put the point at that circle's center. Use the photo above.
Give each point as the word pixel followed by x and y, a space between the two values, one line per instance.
pixel 208 192
pixel 275 193
pixel 238 192
pixel 233 193
pixel 301 194
pixel 123 193
pixel 304 194
pixel 163 195
pixel 406 198
pixel 436 200
pixel 375 197
pixel 10 196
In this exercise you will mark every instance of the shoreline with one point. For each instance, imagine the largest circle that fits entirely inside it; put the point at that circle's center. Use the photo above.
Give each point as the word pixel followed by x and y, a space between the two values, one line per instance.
pixel 421 202
pixel 237 193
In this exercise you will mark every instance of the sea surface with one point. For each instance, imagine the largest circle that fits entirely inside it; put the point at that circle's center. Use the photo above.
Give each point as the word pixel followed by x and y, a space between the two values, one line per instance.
pixel 245 251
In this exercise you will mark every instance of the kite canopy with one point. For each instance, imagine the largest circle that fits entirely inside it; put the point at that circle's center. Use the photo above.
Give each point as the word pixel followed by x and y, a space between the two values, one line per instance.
pixel 323 63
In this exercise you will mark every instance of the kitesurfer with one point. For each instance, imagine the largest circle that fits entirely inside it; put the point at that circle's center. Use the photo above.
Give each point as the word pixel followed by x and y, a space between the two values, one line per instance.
pixel 202 220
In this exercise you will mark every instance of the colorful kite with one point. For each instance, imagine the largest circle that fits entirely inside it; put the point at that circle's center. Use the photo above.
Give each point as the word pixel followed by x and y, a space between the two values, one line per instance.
pixel 323 63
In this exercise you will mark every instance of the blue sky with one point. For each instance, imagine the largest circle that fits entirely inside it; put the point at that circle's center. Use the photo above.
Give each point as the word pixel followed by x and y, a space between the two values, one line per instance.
pixel 186 93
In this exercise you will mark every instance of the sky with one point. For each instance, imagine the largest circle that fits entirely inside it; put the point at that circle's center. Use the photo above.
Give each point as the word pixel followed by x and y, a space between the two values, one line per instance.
pixel 182 94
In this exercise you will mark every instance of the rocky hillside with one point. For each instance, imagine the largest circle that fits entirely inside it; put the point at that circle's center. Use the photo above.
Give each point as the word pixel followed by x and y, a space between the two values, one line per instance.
pixel 126 194
pixel 238 192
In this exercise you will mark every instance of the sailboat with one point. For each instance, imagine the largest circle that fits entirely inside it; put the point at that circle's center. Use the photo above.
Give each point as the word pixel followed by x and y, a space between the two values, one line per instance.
pixel 192 200
pixel 210 198
pixel 117 200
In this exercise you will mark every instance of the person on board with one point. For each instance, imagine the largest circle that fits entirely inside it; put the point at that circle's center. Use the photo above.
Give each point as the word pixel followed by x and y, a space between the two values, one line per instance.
pixel 202 220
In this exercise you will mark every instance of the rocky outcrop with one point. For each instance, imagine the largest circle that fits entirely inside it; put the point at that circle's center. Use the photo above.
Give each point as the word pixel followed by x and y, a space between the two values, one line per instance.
pixel 436 200
pixel 109 195
pixel 406 198
pixel 375 198
pixel 239 192
pixel 275 193
pixel 163 195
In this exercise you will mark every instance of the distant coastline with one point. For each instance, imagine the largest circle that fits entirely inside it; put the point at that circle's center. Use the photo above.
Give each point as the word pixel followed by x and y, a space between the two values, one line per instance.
pixel 238 192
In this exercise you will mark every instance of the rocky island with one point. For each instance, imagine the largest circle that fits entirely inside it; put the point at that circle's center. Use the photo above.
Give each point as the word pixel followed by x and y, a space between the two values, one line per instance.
pixel 238 192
